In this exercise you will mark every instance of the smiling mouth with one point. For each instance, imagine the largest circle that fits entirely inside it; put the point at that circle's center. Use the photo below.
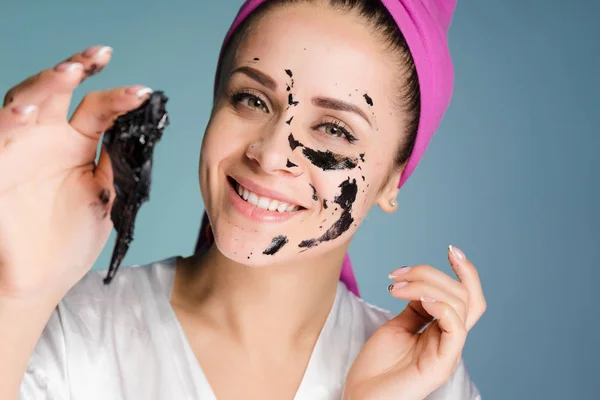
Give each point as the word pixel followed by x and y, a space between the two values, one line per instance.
pixel 262 202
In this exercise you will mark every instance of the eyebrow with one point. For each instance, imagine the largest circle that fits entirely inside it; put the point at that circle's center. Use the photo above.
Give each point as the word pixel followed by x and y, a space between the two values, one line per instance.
pixel 257 76
pixel 339 105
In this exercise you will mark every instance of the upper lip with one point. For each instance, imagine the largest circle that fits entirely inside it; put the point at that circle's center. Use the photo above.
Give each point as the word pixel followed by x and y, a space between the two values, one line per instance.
pixel 262 191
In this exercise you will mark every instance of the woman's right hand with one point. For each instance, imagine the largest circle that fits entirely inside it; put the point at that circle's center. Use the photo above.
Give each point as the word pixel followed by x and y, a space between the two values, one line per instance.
pixel 54 200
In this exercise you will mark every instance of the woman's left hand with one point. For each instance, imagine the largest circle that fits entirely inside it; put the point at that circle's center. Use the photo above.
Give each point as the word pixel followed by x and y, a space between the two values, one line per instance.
pixel 404 361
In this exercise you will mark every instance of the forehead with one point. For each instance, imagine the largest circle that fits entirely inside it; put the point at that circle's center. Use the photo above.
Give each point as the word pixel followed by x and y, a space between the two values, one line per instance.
pixel 323 47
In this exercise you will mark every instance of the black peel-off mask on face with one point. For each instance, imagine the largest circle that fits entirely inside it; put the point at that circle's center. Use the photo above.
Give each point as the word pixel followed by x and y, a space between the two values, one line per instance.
pixel 314 196
pixel 276 244
pixel 291 100
pixel 325 160
pixel 345 200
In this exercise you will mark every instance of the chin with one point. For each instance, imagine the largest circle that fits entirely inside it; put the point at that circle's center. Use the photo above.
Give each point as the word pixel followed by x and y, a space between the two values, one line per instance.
pixel 249 248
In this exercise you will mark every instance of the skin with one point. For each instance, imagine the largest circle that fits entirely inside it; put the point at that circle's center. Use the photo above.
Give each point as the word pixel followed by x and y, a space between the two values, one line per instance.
pixel 232 307
pixel 253 142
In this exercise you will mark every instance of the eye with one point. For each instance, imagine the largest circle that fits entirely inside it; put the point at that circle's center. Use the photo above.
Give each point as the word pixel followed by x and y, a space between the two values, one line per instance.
pixel 336 129
pixel 249 100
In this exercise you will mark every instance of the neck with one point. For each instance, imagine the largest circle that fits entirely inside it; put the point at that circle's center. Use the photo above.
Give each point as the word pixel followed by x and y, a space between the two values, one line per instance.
pixel 282 303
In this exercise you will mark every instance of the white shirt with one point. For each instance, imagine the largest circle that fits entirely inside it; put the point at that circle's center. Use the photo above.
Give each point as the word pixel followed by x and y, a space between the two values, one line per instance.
pixel 123 342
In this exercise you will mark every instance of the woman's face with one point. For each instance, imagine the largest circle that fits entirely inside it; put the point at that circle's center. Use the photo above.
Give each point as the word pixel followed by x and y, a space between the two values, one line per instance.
pixel 302 138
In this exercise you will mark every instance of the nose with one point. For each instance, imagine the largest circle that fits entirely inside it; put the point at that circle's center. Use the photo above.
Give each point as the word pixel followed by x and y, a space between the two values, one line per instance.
pixel 273 154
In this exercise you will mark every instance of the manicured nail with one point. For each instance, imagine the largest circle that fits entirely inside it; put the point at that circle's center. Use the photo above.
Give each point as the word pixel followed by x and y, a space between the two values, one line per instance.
pixel 397 285
pixel 428 299
pixel 399 272
pixel 457 252
pixel 96 51
pixel 138 90
pixel 24 109
pixel 68 66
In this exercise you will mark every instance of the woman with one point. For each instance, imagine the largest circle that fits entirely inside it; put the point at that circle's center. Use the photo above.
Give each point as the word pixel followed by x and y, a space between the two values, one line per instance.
pixel 322 110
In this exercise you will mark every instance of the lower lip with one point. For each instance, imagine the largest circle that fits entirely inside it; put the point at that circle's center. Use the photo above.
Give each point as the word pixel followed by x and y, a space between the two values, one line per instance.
pixel 255 213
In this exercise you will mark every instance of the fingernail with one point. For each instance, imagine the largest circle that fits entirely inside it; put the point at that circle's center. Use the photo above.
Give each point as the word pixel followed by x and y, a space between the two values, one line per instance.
pixel 68 66
pixel 397 285
pixel 428 299
pixel 24 109
pixel 457 252
pixel 399 272
pixel 138 90
pixel 96 51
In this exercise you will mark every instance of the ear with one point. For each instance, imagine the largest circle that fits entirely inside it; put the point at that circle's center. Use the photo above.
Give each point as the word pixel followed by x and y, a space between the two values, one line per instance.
pixel 389 191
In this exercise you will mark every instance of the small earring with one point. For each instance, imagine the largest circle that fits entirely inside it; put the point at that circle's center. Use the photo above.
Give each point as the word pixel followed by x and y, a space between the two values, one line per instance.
pixel 392 203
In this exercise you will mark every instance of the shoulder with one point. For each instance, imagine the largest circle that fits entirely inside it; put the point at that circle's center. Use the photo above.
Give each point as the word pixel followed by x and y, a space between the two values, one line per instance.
pixel 93 324
pixel 93 303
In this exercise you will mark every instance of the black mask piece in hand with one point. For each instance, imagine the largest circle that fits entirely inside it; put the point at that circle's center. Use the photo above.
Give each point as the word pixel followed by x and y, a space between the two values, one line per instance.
pixel 130 143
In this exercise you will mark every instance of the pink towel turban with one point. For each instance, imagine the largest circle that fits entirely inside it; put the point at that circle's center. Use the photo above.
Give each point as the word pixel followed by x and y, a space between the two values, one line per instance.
pixel 424 24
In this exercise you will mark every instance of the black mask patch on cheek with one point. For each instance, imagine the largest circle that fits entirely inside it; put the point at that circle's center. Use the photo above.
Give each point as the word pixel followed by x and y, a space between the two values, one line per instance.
pixel 362 157
pixel 289 73
pixel 314 196
pixel 345 200
pixel 309 243
pixel 290 164
pixel 347 195
pixel 368 99
pixel 256 59
pixel 294 143
pixel 325 204
pixel 328 161
pixel 289 121
pixel 276 244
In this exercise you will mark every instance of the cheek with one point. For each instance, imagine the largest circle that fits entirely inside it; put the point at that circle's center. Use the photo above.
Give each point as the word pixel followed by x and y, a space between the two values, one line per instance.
pixel 221 139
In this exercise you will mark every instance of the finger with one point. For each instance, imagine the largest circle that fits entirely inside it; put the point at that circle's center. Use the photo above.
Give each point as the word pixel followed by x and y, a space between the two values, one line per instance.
pixel 469 277
pixel 434 276
pixel 12 117
pixel 93 61
pixel 419 290
pixel 413 318
pixel 57 83
pixel 453 331
pixel 36 89
pixel 98 110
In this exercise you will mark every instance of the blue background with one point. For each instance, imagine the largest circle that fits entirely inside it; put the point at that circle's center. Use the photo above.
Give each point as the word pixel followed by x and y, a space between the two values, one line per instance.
pixel 510 177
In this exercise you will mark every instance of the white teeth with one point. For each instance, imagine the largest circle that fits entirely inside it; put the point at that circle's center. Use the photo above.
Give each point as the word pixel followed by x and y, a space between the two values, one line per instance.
pixel 264 202
pixel 273 205
pixel 252 199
